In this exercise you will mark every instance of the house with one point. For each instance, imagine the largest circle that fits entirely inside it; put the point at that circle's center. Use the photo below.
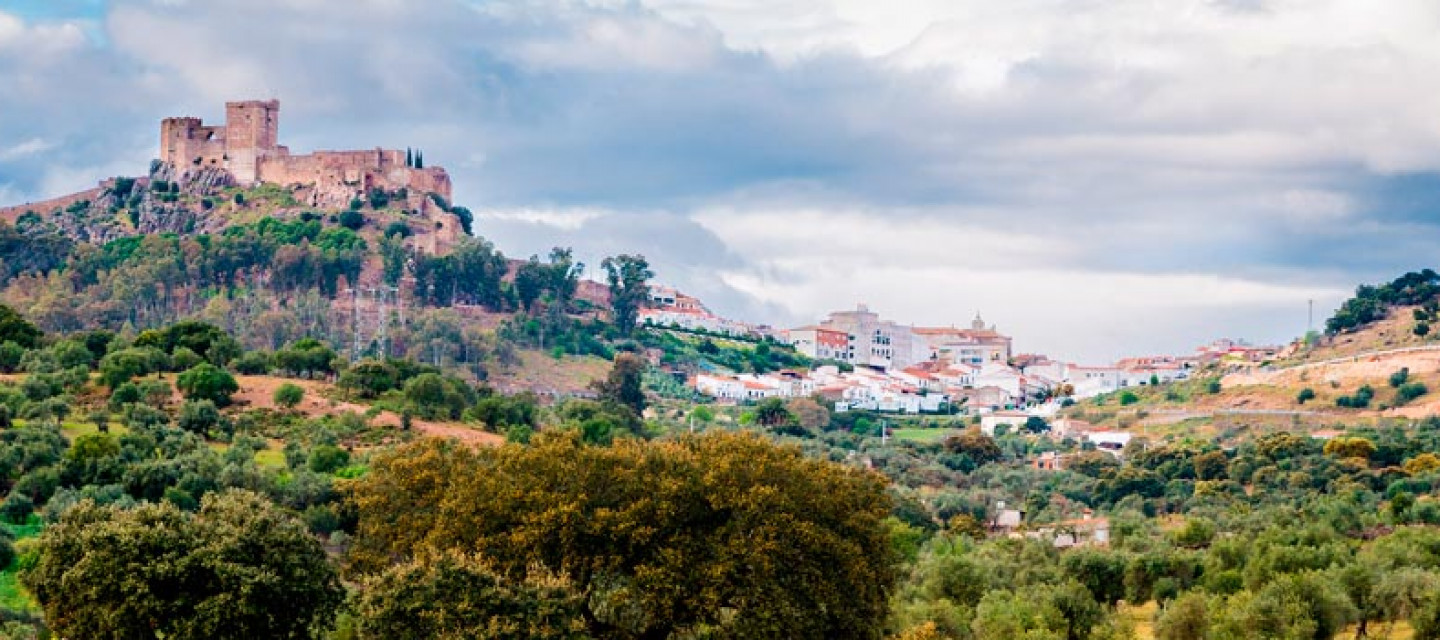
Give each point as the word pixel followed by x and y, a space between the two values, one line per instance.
pixel 1048 461
pixel 1110 441
pixel 1087 531
pixel 821 343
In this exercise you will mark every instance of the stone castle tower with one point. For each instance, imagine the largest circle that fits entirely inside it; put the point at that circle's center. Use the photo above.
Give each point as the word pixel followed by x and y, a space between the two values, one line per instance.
pixel 250 134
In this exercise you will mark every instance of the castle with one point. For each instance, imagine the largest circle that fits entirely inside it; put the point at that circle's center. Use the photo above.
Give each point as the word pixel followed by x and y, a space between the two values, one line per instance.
pixel 248 148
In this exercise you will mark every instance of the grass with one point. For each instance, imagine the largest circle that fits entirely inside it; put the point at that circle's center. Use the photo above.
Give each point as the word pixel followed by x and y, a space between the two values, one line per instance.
pixel 12 594
pixel 271 458
pixel 73 430
pixel 921 434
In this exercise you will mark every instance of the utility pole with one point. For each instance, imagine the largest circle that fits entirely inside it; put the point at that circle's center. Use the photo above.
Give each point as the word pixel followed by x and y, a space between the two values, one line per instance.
pixel 354 323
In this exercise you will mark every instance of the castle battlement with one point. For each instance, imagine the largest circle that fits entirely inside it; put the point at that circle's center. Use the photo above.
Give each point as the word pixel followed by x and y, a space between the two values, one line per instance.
pixel 247 146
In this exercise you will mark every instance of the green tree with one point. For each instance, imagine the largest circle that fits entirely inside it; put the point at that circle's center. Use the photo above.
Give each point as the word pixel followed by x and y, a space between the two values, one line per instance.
pixel 625 383
pixel 1307 394
pixel 240 568
pixel 1185 618
pixel 772 412
pixel 369 378
pixel 14 328
pixel 722 533
pixel 207 382
pixel 628 277
pixel 199 417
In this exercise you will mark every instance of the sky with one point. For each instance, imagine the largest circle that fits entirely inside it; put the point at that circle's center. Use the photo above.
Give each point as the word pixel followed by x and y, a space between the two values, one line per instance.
pixel 1097 177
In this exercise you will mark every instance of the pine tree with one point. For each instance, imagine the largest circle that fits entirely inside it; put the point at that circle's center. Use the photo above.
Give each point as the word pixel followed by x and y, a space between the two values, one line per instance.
pixel 419 159
pixel 409 157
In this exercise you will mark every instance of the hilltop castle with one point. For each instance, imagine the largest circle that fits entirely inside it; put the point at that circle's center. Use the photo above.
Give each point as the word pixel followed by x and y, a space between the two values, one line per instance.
pixel 248 148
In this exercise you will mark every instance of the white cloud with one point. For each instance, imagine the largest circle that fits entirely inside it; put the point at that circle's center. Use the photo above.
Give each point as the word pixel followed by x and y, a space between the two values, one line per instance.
pixel 26 148
pixel 1091 174
pixel 565 219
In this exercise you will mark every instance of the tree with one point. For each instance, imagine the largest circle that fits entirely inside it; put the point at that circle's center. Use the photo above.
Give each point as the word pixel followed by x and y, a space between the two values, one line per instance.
pixel 1184 618
pixel 627 276
pixel 207 382
pixel 1343 447
pixel 288 395
pixel 369 378
pixel 771 412
pixel 438 397
pixel 1400 377
pixel 1307 394
pixel 456 595
pixel 328 458
pixel 1423 463
pixel 1128 398
pixel 624 385
pixel 1036 424
pixel 723 533
pixel 811 415
pixel 239 568
pixel 199 417
pixel 14 328
pixel 531 278
pixel 972 442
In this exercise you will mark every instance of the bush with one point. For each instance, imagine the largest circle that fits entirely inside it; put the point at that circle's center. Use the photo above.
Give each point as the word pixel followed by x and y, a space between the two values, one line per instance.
pixel 199 417
pixel 1409 391
pixel 1400 377
pixel 1307 394
pixel 288 395
pixel 327 458
pixel 252 363
pixel 352 220
pixel 1213 387
pixel 398 228
pixel 1128 398
pixel 17 508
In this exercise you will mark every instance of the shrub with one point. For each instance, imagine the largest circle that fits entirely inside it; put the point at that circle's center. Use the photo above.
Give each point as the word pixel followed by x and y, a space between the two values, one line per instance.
pixel 1409 391
pixel 1128 398
pixel 17 508
pixel 289 395
pixel 199 416
pixel 352 220
pixel 1307 394
pixel 1400 377
pixel 398 228
pixel 327 458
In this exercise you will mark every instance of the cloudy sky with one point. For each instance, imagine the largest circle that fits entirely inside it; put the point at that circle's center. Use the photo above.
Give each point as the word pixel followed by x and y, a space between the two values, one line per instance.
pixel 1099 177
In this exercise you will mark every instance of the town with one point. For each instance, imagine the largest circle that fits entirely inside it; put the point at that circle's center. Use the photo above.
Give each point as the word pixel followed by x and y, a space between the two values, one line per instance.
pixel 863 361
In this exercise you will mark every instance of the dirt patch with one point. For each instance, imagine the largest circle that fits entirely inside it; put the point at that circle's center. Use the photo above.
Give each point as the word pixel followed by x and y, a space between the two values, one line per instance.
pixel 259 392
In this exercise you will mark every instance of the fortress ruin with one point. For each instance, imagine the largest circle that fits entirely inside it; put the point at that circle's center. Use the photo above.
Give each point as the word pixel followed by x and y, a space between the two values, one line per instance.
pixel 248 148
